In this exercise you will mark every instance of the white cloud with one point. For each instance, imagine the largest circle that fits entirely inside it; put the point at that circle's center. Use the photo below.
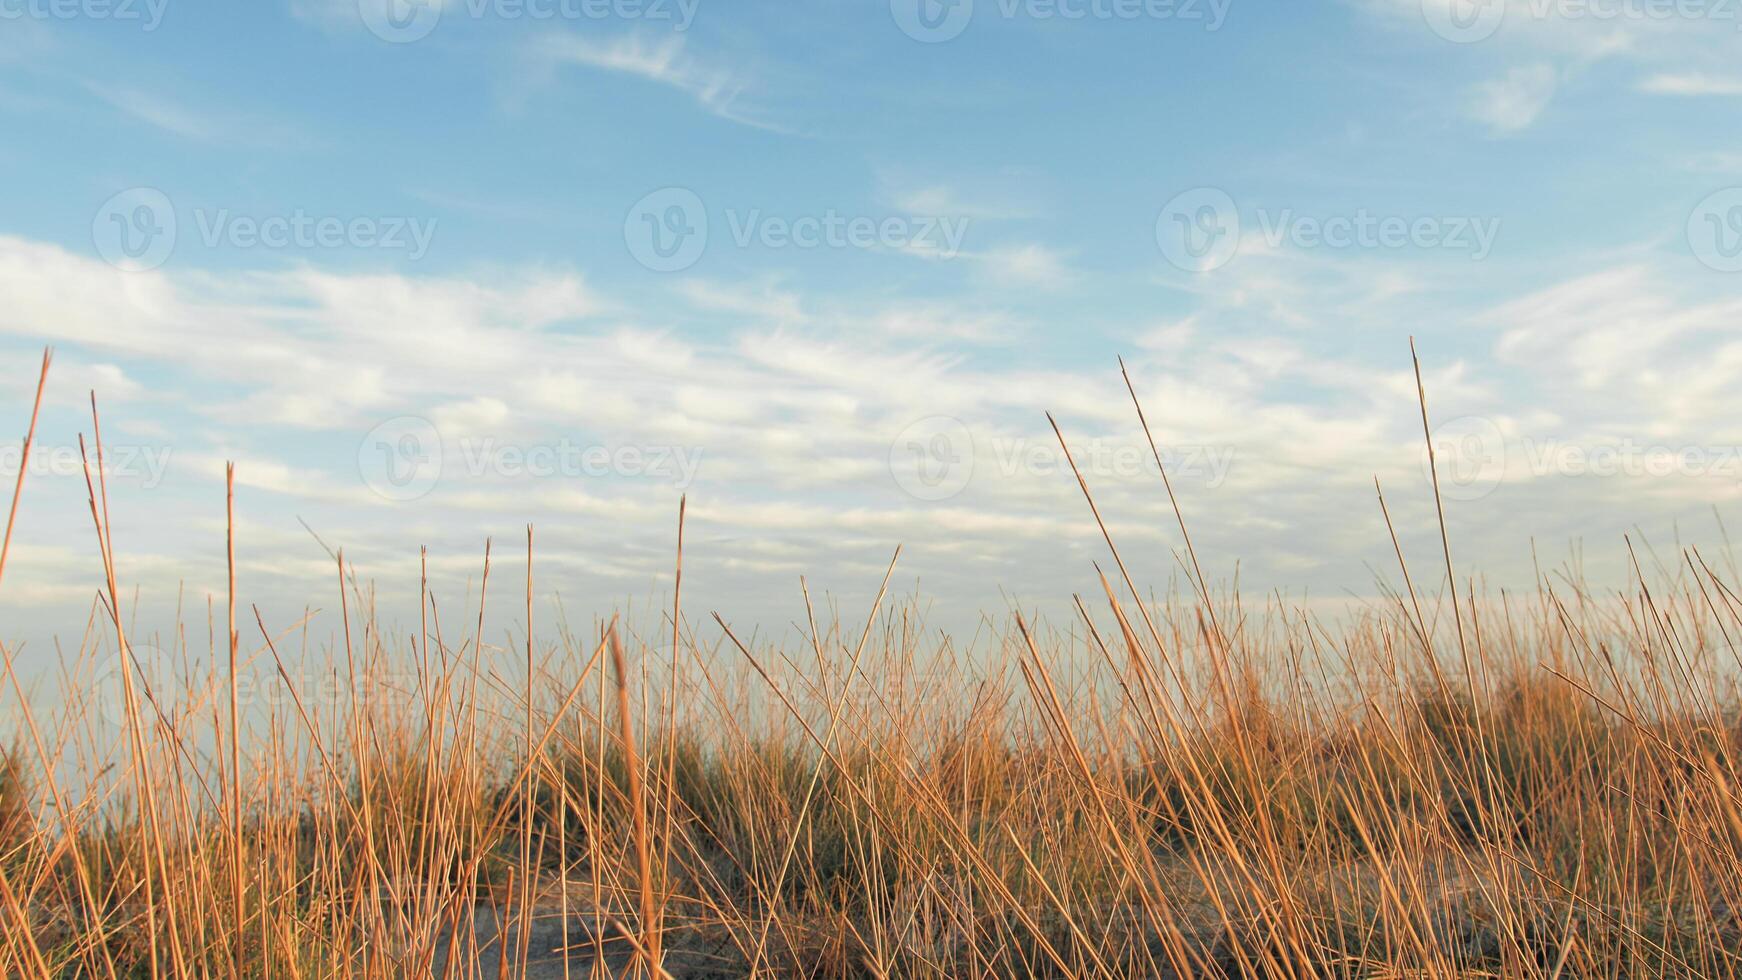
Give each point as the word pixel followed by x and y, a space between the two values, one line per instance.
pixel 159 112
pixel 948 201
pixel 665 62
pixel 1692 83
pixel 1714 162
pixel 265 473
pixel 1025 265
pixel 796 407
pixel 203 125
pixel 1512 103
pixel 1574 33
pixel 1633 339
pixel 1679 49
pixel 765 303
pixel 473 416
pixel 935 322
pixel 328 13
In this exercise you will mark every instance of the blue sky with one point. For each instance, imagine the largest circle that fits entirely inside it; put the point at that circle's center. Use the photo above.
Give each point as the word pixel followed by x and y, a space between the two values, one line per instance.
pixel 426 284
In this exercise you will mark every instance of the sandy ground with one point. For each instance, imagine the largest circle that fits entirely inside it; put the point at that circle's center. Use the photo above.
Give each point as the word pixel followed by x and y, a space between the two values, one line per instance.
pixel 545 959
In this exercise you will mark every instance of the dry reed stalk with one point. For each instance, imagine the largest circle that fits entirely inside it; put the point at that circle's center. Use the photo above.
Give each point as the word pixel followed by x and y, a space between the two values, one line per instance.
pixel 24 458
pixel 1190 787
pixel 136 738
pixel 231 641
pixel 649 946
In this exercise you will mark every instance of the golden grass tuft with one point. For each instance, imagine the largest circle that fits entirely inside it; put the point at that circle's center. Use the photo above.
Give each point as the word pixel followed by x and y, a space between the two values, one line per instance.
pixel 1440 785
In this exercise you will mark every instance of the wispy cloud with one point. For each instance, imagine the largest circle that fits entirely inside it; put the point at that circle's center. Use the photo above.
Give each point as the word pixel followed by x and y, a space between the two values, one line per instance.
pixel 198 124
pixel 1031 265
pixel 766 302
pixel 944 200
pixel 1683 50
pixel 1692 83
pixel 1513 102
pixel 328 14
pixel 666 62
pixel 1713 162
pixel 159 112
pixel 802 405
pixel 487 208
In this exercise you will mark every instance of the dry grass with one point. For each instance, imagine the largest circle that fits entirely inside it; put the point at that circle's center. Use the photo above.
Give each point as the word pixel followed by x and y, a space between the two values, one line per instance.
pixel 1444 785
